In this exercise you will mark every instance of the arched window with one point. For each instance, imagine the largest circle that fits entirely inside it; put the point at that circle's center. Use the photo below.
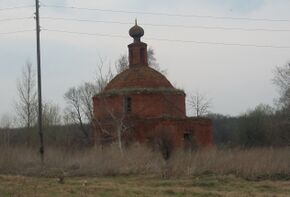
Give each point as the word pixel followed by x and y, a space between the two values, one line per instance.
pixel 142 55
pixel 128 104
pixel 130 56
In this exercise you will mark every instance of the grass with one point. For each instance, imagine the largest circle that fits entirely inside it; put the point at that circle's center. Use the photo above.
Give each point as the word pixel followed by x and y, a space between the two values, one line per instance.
pixel 142 172
pixel 252 164
pixel 129 186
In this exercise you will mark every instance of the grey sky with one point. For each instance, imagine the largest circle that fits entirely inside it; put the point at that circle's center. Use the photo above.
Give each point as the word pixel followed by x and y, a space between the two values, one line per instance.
pixel 236 78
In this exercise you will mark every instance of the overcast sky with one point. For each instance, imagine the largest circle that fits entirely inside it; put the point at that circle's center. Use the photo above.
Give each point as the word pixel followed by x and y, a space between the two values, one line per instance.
pixel 236 78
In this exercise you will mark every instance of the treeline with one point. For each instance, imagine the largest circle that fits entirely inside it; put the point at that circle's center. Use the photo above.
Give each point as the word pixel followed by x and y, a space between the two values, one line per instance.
pixel 262 126
pixel 58 136
pixel 259 127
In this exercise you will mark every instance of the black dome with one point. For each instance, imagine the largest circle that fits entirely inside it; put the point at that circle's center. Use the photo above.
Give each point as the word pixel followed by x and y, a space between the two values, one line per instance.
pixel 136 32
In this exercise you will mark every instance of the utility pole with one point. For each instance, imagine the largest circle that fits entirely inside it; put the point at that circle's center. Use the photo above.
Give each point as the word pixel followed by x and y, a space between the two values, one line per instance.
pixel 41 149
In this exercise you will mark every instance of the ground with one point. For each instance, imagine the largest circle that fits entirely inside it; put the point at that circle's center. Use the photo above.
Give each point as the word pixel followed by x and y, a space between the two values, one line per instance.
pixel 206 186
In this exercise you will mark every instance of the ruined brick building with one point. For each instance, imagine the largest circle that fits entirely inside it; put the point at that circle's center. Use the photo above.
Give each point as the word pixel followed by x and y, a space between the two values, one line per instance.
pixel 142 105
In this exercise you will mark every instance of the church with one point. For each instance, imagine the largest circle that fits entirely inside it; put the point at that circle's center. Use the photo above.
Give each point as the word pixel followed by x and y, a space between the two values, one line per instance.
pixel 141 105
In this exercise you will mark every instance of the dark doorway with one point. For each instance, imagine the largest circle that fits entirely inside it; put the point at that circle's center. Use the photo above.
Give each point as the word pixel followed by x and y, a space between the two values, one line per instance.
pixel 189 141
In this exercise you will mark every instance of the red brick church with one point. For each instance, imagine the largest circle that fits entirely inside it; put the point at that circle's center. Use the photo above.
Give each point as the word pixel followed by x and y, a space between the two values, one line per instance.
pixel 142 105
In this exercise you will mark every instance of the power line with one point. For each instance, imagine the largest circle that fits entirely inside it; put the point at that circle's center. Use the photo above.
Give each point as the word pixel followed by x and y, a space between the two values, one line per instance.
pixel 16 7
pixel 16 32
pixel 86 20
pixel 172 40
pixel 84 33
pixel 169 14
pixel 222 43
pixel 15 19
pixel 168 25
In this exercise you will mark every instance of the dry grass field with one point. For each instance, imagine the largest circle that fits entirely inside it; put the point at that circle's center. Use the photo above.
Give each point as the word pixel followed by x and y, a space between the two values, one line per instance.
pixel 129 186
pixel 253 163
pixel 142 172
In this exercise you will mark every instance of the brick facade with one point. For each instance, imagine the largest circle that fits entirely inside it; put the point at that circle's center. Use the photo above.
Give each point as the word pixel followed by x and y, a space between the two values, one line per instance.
pixel 146 107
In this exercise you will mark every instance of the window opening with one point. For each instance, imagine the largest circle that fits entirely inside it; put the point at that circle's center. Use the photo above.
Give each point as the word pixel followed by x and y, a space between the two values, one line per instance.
pixel 142 57
pixel 128 104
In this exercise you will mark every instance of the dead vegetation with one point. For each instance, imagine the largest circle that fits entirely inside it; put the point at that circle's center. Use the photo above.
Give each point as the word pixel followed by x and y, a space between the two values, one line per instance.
pixel 258 163
pixel 132 186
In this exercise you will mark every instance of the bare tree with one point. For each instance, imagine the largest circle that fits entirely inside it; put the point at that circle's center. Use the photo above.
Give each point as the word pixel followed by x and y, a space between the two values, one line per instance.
pixel 80 99
pixel 26 106
pixel 120 127
pixel 87 92
pixel 199 103
pixel 102 76
pixel 282 80
pixel 282 76
pixel 51 114
pixel 74 110
pixel 80 104
pixel 152 61
pixel 122 63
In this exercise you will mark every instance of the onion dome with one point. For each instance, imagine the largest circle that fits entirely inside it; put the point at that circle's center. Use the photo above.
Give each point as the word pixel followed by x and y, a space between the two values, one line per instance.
pixel 136 32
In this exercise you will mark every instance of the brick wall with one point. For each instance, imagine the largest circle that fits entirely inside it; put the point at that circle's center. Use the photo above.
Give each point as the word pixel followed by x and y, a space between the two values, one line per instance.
pixel 149 105
pixel 152 115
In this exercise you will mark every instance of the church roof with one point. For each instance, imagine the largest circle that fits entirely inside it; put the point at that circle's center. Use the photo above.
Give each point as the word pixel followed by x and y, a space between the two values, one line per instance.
pixel 139 77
